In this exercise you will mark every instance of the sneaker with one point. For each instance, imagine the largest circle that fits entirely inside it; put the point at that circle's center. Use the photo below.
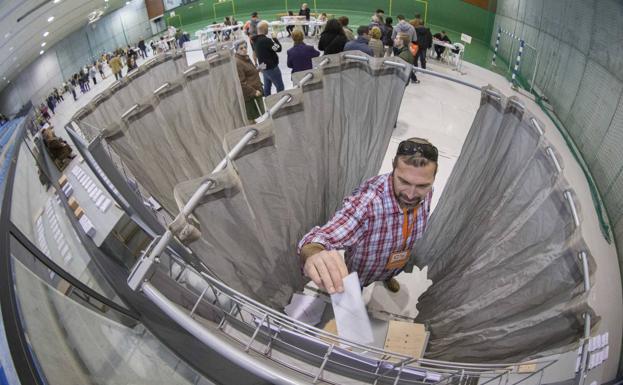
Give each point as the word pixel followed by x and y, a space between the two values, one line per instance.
pixel 392 285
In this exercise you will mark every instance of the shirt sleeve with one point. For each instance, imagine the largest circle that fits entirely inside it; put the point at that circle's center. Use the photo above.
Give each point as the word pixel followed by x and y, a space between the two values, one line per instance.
pixel 346 228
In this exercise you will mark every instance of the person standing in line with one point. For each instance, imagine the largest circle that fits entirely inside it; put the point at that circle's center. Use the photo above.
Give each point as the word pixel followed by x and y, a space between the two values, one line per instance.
pixel 266 50
pixel 401 44
pixel 73 84
pixel 93 72
pixel 250 83
pixel 143 48
pixel 116 66
pixel 388 42
pixel 252 32
pixel 300 55
pixel 403 27
pixel 305 11
pixel 290 27
pixel 50 102
pixel 347 31
pixel 332 39
pixel 100 68
pixel 361 43
pixel 424 40
pixel 375 42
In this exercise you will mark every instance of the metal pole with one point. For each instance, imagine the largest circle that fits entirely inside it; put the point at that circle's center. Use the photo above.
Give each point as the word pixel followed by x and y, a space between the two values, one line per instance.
pixel 229 352
pixel 443 76
pixel 536 67
pixel 497 45
pixel 510 53
pixel 517 62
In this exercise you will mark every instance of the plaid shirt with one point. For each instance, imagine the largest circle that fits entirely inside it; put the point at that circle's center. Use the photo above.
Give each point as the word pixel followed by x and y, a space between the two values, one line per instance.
pixel 369 227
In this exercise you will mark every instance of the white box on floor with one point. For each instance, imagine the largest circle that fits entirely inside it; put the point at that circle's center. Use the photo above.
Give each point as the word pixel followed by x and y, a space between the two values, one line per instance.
pixel 87 226
pixel 105 205
pixel 68 190
pixel 97 193
pixel 99 201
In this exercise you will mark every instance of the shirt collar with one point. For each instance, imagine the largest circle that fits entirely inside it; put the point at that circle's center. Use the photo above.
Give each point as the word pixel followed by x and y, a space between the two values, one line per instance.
pixel 395 207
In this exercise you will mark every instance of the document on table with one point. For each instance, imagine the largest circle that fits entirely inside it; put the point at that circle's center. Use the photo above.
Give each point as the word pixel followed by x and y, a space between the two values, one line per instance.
pixel 350 312
pixel 306 308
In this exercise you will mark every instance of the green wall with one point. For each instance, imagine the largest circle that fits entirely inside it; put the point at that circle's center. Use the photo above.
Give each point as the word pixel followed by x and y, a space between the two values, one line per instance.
pixel 454 15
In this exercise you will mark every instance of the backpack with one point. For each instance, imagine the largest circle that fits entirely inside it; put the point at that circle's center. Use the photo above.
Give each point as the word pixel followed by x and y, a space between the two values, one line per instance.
pixel 413 48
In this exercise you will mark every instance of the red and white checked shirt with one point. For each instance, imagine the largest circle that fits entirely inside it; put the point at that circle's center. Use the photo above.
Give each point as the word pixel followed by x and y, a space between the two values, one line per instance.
pixel 369 227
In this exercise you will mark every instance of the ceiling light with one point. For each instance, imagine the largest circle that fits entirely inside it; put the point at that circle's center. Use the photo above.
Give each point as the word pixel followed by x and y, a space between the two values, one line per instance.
pixel 46 33
pixel 57 1
pixel 50 19
pixel 41 52
pixel 43 44
pixel 10 48
pixel 105 1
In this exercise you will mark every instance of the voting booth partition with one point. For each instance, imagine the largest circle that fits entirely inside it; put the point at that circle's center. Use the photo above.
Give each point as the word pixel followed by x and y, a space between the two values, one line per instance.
pixel 506 219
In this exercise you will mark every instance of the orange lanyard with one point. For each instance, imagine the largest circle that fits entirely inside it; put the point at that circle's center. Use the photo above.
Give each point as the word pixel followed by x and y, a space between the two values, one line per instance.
pixel 406 229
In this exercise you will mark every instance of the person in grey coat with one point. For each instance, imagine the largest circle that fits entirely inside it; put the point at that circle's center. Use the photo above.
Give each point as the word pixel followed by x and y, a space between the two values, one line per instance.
pixel 404 27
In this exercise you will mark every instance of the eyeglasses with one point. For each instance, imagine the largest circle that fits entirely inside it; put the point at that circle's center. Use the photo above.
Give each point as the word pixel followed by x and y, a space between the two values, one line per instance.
pixel 428 151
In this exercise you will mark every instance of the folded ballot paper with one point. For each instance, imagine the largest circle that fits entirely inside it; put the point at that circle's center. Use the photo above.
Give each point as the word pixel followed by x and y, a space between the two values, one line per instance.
pixel 306 308
pixel 350 312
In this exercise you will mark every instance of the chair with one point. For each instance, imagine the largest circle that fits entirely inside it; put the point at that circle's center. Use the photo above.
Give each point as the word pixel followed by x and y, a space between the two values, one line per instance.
pixel 458 56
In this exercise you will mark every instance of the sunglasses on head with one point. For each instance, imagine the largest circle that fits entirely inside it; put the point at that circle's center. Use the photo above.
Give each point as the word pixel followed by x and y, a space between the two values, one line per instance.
pixel 428 151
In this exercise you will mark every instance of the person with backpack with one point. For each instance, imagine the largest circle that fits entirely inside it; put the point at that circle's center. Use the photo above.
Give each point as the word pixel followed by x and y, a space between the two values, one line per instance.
pixel 332 39
pixel 387 40
pixel 424 40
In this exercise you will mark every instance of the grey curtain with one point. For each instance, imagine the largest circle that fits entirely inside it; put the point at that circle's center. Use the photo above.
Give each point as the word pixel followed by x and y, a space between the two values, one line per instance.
pixel 108 106
pixel 330 137
pixel 175 132
pixel 502 248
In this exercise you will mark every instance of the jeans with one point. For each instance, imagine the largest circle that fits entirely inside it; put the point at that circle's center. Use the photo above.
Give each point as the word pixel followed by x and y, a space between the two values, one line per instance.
pixel 271 76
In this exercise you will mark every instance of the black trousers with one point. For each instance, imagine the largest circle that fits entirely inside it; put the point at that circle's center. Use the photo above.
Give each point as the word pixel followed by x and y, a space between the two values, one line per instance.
pixel 421 55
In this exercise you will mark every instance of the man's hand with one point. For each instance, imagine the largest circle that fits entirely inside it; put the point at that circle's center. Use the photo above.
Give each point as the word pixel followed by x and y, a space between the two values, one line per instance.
pixel 326 268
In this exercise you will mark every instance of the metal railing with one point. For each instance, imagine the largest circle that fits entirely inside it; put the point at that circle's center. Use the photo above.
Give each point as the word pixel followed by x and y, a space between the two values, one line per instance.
pixel 260 331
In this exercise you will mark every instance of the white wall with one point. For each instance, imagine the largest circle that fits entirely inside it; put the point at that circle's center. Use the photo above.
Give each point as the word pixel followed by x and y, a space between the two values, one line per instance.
pixel 118 29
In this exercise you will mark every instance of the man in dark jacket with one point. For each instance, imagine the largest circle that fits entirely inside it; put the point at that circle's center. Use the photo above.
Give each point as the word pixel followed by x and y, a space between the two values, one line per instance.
pixel 300 55
pixel 266 50
pixel 361 42
pixel 424 42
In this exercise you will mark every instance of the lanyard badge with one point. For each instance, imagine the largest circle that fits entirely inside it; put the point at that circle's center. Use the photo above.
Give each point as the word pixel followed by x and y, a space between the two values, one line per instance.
pixel 398 259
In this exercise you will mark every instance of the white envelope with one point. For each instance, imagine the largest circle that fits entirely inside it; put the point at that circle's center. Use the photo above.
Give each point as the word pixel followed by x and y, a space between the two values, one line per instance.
pixel 350 312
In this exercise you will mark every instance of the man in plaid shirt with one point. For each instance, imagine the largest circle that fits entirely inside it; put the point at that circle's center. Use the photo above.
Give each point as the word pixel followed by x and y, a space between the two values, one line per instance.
pixel 377 225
